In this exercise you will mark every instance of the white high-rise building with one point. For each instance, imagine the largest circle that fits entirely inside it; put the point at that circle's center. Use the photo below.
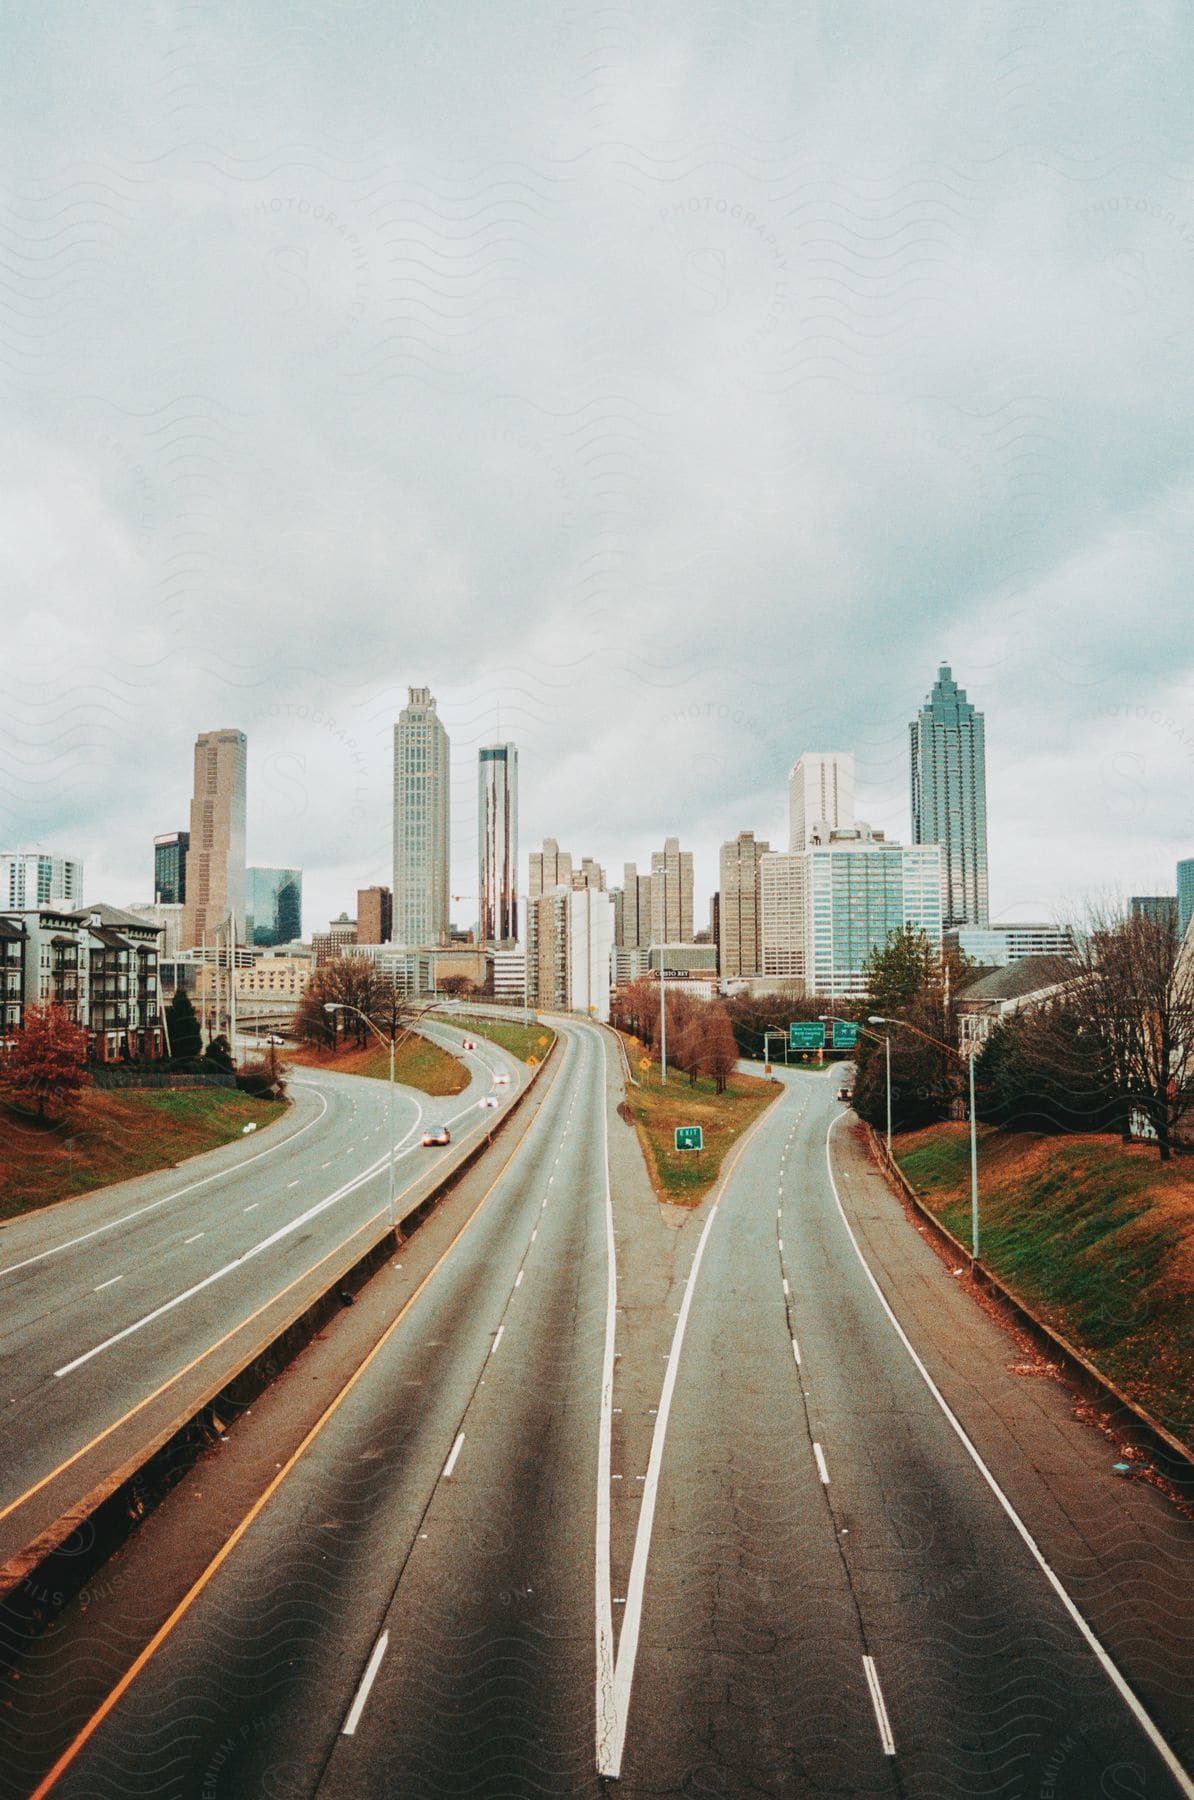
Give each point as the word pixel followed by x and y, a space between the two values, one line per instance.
pixel 421 824
pixel 781 913
pixel 820 793
pixel 858 889
pixel 39 878
pixel 497 844
pixel 569 945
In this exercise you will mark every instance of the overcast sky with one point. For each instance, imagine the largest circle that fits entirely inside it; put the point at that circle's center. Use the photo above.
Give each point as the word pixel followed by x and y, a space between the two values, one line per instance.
pixel 680 383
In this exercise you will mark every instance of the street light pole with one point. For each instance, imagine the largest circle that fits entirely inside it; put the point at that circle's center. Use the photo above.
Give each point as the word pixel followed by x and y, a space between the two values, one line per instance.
pixel 953 1051
pixel 333 1006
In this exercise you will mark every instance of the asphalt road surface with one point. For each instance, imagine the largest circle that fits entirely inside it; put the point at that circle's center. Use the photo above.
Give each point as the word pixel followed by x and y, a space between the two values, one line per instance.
pixel 106 1299
pixel 858 1559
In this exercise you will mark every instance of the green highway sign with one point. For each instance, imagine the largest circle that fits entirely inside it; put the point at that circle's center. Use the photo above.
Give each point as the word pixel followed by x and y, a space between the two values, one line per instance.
pixel 806 1034
pixel 688 1137
pixel 845 1035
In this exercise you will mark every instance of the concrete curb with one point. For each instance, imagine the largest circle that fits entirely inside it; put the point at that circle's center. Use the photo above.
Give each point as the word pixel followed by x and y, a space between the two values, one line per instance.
pixel 1172 1458
pixel 103 1517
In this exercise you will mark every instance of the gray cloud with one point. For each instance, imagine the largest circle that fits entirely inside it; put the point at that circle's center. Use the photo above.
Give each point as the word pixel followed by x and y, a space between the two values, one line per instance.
pixel 683 384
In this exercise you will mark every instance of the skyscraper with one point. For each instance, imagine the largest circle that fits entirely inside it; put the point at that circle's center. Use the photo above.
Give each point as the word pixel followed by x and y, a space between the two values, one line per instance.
pixel 421 823
pixel 739 938
pixel 1185 893
pixel 215 870
pixel 820 792
pixel 949 797
pixel 671 894
pixel 497 844
pixel 635 931
pixel 170 867
pixel 273 906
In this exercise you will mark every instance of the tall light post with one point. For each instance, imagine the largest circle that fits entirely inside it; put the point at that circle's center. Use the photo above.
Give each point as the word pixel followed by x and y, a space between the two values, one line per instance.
pixel 969 1061
pixel 334 1006
pixel 879 1038
pixel 663 949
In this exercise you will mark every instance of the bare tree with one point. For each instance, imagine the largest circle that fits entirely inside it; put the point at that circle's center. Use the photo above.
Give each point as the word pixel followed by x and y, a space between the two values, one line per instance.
pixel 1133 995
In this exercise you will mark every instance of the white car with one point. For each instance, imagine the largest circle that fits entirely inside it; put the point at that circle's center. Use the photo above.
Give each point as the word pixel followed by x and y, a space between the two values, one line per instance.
pixel 501 1079
pixel 469 1044
pixel 490 1100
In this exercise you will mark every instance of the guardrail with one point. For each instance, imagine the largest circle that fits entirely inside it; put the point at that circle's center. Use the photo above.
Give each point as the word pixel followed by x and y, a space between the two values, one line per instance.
pixel 104 1517
pixel 1173 1459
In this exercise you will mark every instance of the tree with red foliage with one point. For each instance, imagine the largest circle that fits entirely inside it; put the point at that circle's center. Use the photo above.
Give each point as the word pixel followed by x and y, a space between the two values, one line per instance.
pixel 719 1052
pixel 47 1061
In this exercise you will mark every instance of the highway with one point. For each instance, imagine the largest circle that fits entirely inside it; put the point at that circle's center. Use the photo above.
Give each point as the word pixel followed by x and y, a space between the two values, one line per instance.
pixel 749 1500
pixel 114 1307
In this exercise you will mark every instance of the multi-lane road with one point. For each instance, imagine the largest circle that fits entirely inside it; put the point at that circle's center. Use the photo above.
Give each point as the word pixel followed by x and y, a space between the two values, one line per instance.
pixel 750 1500
pixel 117 1310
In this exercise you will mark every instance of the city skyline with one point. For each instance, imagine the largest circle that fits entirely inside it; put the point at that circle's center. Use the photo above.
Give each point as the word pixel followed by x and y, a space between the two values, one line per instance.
pixel 325 895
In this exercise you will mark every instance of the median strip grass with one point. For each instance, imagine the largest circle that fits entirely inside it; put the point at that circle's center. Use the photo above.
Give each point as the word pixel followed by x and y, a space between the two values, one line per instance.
pixel 685 1176
pixel 1095 1236
pixel 418 1063
pixel 111 1136
pixel 523 1041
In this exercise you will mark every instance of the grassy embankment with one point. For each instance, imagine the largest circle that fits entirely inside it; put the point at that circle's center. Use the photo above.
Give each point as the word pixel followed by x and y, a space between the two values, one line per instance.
pixel 523 1041
pixel 418 1063
pixel 111 1136
pixel 685 1176
pixel 1095 1236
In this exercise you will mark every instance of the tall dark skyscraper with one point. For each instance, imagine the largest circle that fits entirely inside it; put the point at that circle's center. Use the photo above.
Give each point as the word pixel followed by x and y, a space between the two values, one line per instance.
pixel 949 798
pixel 497 843
pixel 170 867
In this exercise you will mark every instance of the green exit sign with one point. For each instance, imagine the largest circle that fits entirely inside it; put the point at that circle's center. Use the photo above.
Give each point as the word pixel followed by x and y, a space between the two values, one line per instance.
pixel 688 1137
pixel 845 1035
pixel 806 1034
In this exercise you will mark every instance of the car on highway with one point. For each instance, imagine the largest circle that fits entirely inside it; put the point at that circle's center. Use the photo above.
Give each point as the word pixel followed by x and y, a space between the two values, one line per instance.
pixel 490 1100
pixel 469 1044
pixel 438 1134
pixel 501 1079
pixel 845 1092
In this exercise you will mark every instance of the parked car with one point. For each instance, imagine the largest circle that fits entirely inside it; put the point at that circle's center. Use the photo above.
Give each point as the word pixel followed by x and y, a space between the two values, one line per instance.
pixel 439 1134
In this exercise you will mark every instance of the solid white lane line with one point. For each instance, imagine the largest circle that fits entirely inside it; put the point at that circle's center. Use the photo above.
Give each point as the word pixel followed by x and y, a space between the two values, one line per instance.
pixel 1151 1730
pixel 218 1274
pixel 877 1701
pixel 607 1712
pixel 632 1618
pixel 822 1466
pixel 497 1340
pixel 367 1680
pixel 153 1205
pixel 452 1455
pixel 192 1240
pixel 104 1284
pixel 518 1278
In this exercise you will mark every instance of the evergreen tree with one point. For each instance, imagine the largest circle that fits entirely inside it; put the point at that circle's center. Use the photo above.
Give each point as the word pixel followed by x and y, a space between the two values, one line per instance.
pixel 182 1027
